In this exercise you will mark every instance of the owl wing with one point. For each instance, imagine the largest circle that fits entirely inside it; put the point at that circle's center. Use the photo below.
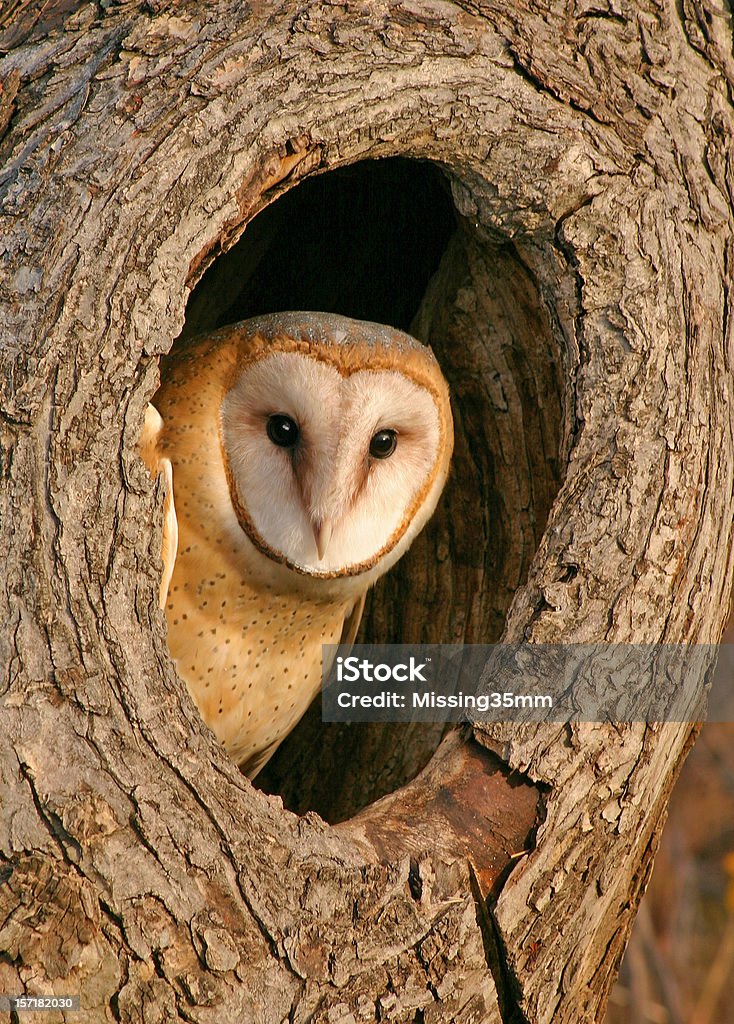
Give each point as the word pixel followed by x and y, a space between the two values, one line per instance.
pixel 254 764
pixel 149 449
pixel 350 627
pixel 351 623
pixel 348 636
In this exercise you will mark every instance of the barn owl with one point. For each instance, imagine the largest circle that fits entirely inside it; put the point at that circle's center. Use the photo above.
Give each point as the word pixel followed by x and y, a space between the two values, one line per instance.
pixel 303 453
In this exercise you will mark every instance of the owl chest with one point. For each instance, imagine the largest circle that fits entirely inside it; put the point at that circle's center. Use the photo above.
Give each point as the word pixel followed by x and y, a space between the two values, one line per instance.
pixel 250 658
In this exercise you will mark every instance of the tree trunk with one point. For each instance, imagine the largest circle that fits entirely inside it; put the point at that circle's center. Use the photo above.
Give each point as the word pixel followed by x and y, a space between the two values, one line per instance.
pixel 582 312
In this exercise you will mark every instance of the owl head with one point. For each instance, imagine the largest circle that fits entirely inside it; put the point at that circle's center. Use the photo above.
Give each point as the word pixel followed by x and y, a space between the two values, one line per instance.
pixel 335 437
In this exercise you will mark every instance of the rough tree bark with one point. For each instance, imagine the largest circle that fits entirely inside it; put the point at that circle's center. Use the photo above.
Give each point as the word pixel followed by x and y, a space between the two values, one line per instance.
pixel 583 313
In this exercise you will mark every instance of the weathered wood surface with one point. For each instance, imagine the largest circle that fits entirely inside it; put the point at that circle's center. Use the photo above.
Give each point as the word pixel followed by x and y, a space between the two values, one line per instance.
pixel 589 152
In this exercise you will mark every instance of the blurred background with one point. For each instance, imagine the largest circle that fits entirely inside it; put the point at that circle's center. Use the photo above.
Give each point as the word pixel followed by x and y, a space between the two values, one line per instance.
pixel 679 965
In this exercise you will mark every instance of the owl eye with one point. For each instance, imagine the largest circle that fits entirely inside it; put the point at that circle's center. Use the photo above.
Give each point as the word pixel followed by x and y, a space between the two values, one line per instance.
pixel 383 444
pixel 282 430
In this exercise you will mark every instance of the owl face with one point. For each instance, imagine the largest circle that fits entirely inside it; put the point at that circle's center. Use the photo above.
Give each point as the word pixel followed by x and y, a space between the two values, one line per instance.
pixel 332 467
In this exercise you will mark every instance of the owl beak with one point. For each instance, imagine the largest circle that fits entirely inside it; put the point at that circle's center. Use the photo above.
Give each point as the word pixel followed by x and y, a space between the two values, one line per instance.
pixel 322 530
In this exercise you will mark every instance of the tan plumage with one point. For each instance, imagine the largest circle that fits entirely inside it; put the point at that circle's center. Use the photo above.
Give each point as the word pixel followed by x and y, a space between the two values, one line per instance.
pixel 279 540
